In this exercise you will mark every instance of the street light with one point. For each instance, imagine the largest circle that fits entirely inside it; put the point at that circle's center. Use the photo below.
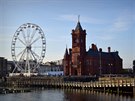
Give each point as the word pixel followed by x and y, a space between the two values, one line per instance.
pixel 100 67
pixel 110 65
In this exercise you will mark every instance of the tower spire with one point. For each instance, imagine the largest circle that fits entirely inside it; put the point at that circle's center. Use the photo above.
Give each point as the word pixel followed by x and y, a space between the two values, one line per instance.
pixel 66 51
pixel 78 18
pixel 78 27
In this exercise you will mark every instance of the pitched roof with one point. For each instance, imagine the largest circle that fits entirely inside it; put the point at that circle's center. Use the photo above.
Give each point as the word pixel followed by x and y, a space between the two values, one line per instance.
pixel 91 52
pixel 66 52
pixel 94 53
pixel 78 27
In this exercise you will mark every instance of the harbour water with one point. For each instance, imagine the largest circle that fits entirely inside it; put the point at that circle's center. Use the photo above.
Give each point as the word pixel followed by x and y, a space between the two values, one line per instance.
pixel 64 95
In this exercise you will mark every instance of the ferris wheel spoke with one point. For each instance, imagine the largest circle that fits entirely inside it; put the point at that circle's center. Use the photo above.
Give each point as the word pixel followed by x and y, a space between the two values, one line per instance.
pixel 35 40
pixel 37 47
pixel 22 56
pixel 32 35
pixel 19 47
pixel 23 33
pixel 31 56
pixel 20 53
pixel 28 34
pixel 35 54
pixel 21 41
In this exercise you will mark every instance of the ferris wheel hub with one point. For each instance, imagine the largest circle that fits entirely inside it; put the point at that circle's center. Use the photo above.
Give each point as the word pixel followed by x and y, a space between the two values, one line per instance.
pixel 29 47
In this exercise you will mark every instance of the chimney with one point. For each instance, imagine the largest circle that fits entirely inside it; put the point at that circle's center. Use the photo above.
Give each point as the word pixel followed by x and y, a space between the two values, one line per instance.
pixel 70 51
pixel 100 49
pixel 109 49
pixel 93 46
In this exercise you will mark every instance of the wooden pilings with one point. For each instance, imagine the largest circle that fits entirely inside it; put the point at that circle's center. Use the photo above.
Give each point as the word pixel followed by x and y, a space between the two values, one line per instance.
pixel 117 86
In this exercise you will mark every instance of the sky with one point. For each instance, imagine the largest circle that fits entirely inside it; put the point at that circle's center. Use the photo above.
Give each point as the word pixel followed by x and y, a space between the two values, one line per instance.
pixel 107 23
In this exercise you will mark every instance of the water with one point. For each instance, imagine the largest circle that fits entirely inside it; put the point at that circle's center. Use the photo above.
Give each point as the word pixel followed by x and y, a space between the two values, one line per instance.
pixel 64 95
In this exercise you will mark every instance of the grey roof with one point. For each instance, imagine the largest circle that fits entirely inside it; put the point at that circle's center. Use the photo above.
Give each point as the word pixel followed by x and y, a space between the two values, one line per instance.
pixel 78 27
pixel 94 53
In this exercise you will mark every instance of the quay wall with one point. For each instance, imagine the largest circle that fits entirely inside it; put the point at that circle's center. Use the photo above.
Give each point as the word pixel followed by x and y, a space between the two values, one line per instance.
pixel 110 85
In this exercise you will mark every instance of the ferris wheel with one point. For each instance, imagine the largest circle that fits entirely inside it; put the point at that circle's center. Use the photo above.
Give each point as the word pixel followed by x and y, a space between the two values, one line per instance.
pixel 28 48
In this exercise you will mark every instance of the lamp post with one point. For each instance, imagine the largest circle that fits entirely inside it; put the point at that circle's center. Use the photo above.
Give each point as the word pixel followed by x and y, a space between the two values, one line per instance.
pixel 110 68
pixel 100 67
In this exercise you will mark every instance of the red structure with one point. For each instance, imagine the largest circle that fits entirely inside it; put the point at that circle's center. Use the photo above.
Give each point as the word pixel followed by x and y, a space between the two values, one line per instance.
pixel 78 61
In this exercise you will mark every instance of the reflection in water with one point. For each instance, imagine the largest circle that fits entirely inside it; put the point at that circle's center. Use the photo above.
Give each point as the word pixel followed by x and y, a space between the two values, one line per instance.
pixel 64 95
pixel 86 95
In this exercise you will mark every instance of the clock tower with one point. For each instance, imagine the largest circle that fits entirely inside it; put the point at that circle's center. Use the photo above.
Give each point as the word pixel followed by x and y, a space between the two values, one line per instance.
pixel 79 62
pixel 78 50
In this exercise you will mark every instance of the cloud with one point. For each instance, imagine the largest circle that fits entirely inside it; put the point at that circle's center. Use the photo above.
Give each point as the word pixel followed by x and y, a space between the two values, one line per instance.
pixel 119 25
pixel 105 37
pixel 122 23
pixel 68 17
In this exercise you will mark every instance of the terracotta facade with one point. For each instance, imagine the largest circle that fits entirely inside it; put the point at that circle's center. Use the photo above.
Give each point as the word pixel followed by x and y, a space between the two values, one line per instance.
pixel 78 61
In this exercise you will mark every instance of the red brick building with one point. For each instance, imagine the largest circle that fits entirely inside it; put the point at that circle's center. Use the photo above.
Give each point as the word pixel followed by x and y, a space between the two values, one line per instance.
pixel 78 61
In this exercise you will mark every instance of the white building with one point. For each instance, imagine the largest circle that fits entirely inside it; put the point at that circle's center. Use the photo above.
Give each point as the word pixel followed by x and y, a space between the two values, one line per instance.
pixel 50 69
